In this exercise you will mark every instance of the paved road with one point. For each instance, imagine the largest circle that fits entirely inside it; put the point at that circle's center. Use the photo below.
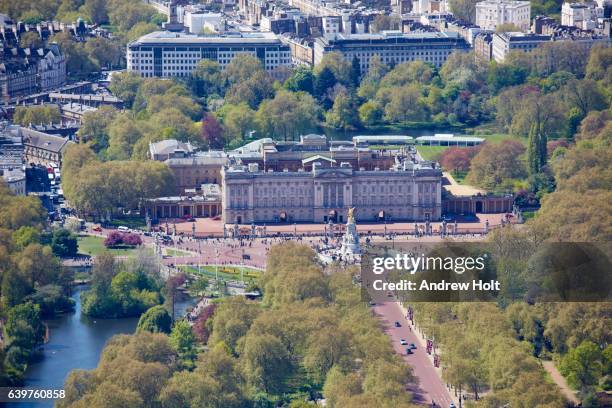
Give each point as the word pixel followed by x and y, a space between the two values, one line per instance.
pixel 430 386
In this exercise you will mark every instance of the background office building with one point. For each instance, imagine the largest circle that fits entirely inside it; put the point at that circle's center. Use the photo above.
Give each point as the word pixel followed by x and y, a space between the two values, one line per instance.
pixel 392 47
pixel 167 54
pixel 491 13
pixel 503 43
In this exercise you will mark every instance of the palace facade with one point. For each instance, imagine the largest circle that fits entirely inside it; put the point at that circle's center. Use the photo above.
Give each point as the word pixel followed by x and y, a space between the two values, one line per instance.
pixel 408 191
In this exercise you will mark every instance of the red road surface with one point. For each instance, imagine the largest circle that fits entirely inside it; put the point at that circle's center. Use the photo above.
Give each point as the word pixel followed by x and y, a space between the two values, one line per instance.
pixel 430 387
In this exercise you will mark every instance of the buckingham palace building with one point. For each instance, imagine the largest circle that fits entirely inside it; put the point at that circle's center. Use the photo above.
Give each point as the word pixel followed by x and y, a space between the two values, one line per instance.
pixel 324 191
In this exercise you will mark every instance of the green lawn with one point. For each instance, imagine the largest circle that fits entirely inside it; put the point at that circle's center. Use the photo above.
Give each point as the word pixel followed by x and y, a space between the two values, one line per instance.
pixel 133 222
pixel 434 152
pixel 431 152
pixel 225 272
pixel 91 245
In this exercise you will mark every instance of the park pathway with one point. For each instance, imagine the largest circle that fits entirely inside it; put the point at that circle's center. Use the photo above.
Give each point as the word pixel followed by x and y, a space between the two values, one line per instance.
pixel 556 376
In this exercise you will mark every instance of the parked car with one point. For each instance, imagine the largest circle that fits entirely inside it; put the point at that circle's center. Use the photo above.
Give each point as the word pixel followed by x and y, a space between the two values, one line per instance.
pixel 408 351
pixel 397 324
pixel 403 342
pixel 123 228
pixel 412 346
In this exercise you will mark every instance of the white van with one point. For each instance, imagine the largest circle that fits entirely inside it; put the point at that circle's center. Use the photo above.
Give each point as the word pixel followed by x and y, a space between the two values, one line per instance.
pixel 123 228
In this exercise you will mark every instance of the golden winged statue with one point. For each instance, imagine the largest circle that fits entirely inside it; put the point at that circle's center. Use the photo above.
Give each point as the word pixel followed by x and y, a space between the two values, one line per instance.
pixel 351 215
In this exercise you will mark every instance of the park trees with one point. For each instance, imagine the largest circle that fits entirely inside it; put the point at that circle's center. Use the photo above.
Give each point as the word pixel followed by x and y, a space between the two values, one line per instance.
pixel 64 242
pixel 343 114
pixel 248 81
pixel 183 342
pixel 155 320
pixel 464 9
pixel 318 334
pixel 119 291
pixel 24 331
pixel 583 366
pixel 238 121
pixel 94 129
pixel 458 159
pixel 287 115
pixel 124 85
pixel 96 187
pixel 340 68
pixel 598 67
pixel 37 115
pixel 267 363
pixel 495 166
pixel 582 169
pixel 301 79
pixel 206 79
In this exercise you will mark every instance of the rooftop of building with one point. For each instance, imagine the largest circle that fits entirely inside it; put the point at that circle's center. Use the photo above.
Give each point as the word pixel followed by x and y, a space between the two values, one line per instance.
pixel 12 175
pixel 444 137
pixel 520 36
pixel 42 140
pixel 166 37
pixel 389 35
pixel 217 158
pixel 11 147
pixel 77 108
pixel 374 139
pixel 170 146
pixel 509 3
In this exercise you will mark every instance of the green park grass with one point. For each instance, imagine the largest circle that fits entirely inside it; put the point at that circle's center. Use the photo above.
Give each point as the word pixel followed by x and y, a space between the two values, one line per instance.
pixel 133 222
pixel 93 246
pixel 431 152
pixel 225 272
pixel 434 152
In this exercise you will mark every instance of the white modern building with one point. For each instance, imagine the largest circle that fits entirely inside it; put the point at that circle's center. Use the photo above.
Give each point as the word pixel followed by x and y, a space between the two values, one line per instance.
pixel 391 46
pixel 577 15
pixel 197 22
pixel 491 13
pixel 166 54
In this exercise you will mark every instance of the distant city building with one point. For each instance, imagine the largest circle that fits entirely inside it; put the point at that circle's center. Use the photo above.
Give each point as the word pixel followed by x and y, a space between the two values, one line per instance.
pixel 12 159
pixel 483 46
pixel 302 51
pixel 504 43
pixel 205 204
pixel 25 71
pixel 392 47
pixel 42 148
pixel 170 149
pixel 74 112
pixel 584 15
pixel 197 169
pixel 165 54
pixel 491 13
